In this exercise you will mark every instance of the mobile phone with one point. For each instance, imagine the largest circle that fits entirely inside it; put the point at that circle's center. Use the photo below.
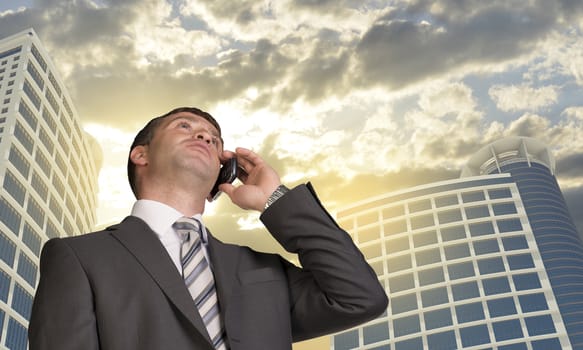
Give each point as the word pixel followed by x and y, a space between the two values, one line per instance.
pixel 227 174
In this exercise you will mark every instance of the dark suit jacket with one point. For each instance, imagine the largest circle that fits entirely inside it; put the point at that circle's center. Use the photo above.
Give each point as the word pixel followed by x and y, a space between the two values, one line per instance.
pixel 118 289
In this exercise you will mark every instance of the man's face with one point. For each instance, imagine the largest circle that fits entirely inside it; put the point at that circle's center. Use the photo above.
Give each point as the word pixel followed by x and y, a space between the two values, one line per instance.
pixel 185 141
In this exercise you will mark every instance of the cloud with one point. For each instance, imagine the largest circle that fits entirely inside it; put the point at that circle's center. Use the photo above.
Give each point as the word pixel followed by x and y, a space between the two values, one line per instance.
pixel 523 97
pixel 427 39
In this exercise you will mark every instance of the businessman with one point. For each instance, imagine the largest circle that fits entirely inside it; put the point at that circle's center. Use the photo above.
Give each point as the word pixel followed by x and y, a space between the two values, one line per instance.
pixel 160 280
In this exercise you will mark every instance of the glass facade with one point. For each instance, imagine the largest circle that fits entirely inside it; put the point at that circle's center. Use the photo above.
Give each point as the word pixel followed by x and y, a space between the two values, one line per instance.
pixel 490 260
pixel 48 176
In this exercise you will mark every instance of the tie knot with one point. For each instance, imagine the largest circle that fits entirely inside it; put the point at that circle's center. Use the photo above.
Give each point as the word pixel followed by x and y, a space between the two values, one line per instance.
pixel 185 225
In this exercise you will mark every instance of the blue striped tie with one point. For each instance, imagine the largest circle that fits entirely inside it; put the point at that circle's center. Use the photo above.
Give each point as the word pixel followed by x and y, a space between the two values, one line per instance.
pixel 199 279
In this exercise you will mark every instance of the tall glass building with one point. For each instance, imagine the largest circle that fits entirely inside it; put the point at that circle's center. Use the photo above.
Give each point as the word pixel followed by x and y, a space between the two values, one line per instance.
pixel 491 260
pixel 48 175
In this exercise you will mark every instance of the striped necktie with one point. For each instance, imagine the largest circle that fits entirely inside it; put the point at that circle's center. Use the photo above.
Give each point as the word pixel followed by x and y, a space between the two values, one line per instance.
pixel 199 279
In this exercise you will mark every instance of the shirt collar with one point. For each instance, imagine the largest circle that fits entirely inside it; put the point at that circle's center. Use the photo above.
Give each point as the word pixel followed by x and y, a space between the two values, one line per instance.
pixel 160 216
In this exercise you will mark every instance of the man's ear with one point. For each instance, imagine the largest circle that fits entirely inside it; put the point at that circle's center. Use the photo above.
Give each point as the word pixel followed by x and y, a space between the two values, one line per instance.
pixel 139 155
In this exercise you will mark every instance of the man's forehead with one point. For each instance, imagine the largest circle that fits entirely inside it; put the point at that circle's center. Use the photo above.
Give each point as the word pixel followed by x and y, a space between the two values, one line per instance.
pixel 191 117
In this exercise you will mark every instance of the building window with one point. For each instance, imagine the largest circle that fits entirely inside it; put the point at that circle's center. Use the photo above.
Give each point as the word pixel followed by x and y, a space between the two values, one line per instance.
pixel 422 221
pixel 435 296
pixel 538 325
pixel 399 263
pixel 473 197
pixel 491 265
pixel 52 101
pixel 56 208
pixel 453 233
pixel 469 312
pixel 28 115
pixel 52 231
pixel 9 216
pixel 533 302
pixel 40 186
pixel 43 163
pixel 406 325
pixel 4 286
pixel 424 238
pixel 457 251
pixel 403 303
pixel 509 225
pixel 39 58
pixel 375 333
pixel 18 160
pixel 500 193
pixel 481 229
pixel 393 212
pixel 395 227
pixel 36 212
pixel 32 95
pixel 445 340
pixel 437 318
pixel 501 307
pixel 547 344
pixel 464 291
pixel 427 257
pixel 462 270
pixel 526 281
pixel 431 276
pixel 27 269
pixel 486 246
pixel 46 140
pixel 446 201
pixel 50 120
pixel 421 205
pixel 474 335
pixel 58 184
pixel 36 76
pixel 346 340
pixel 54 83
pixel 400 283
pixel 496 285
pixel 24 138
pixel 14 187
pixel 21 301
pixel 514 243
pixel 504 209
pixel 31 239
pixel 521 261
pixel 7 249
pixel 409 344
pixel 16 337
pixel 477 212
pixel 448 216
pixel 505 330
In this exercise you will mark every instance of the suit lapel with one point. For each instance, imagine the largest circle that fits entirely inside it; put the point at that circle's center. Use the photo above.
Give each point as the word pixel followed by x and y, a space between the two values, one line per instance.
pixel 145 246
pixel 225 260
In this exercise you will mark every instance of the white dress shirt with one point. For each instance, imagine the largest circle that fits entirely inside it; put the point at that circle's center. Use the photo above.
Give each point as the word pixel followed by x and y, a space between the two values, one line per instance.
pixel 160 218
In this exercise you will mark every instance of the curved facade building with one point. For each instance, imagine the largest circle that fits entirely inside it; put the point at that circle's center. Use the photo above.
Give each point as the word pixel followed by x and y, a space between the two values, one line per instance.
pixel 48 175
pixel 532 166
pixel 487 261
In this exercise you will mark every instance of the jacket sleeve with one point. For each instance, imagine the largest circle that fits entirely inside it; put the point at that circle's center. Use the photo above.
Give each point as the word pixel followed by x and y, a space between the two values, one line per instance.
pixel 335 288
pixel 62 313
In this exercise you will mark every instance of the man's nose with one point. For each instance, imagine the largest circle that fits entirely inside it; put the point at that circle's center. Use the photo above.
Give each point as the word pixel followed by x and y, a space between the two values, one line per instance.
pixel 204 136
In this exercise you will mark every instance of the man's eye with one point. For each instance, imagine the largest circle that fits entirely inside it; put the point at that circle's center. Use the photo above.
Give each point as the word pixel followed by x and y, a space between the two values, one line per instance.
pixel 184 125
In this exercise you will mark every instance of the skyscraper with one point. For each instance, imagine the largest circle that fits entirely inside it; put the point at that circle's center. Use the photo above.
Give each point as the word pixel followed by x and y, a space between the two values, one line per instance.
pixel 489 260
pixel 48 174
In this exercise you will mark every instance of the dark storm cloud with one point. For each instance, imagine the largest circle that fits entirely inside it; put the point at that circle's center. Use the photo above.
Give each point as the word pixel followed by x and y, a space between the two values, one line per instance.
pixel 409 45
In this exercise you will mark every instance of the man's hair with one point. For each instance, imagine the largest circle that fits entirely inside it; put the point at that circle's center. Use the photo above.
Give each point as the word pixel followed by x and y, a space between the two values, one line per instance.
pixel 145 136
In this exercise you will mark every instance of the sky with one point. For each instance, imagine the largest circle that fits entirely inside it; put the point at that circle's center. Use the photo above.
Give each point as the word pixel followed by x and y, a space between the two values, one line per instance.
pixel 359 97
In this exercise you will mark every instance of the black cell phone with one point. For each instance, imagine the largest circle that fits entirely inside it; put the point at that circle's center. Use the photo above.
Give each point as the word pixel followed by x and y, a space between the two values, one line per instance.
pixel 227 174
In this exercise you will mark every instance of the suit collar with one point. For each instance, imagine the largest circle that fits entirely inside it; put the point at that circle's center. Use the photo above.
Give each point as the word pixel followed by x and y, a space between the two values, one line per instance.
pixel 145 246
